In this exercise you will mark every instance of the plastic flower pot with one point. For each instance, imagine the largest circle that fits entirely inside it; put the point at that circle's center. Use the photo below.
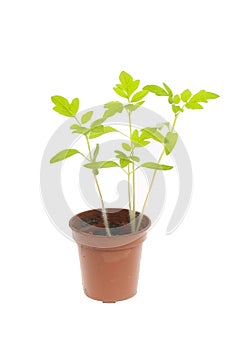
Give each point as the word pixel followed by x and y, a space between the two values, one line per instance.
pixel 109 265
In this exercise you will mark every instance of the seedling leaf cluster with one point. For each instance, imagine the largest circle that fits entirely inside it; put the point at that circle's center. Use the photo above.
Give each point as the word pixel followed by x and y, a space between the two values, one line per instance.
pixel 126 158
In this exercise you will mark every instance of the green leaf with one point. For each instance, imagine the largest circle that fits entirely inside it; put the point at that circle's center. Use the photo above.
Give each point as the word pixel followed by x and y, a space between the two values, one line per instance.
pixel 170 142
pixel 132 107
pixel 203 96
pixel 176 109
pixel 112 108
pixel 116 105
pixel 157 90
pixel 161 125
pixel 156 166
pixel 176 99
pixel 124 162
pixel 75 105
pixel 135 158
pixel 63 155
pixel 120 92
pixel 170 93
pixel 137 140
pixel 133 86
pixel 126 147
pixel 139 96
pixel 96 151
pixel 86 117
pixel 79 129
pixel 121 155
pixel 101 130
pixel 101 164
pixel 193 105
pixel 186 94
pixel 152 133
pixel 170 99
pixel 62 106
pixel 97 122
pixel 125 79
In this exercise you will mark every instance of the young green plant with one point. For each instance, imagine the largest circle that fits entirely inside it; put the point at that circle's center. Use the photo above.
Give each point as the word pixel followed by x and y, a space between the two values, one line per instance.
pixel 126 157
pixel 96 129
pixel 178 102
pixel 127 88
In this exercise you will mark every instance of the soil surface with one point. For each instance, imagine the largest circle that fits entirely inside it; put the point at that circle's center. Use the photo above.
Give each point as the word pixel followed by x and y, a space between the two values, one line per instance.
pixel 92 222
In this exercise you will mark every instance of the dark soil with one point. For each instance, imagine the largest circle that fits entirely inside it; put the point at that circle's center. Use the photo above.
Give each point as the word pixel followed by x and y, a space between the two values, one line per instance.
pixel 92 223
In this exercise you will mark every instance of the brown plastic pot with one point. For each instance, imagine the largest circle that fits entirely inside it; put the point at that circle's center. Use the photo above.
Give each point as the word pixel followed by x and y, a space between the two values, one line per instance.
pixel 109 265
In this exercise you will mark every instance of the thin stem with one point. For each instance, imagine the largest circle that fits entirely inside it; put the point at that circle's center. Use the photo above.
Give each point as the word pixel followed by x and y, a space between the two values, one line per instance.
pixel 133 199
pixel 97 184
pixel 174 122
pixel 103 207
pixel 120 132
pixel 129 190
pixel 89 148
pixel 133 191
pixel 153 177
pixel 149 191
pixel 99 191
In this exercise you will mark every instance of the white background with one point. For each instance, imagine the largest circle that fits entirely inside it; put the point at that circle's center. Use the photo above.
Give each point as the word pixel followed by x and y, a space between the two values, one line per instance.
pixel 78 48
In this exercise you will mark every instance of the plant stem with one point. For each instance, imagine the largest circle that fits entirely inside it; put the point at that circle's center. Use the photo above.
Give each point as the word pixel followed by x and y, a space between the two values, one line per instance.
pixel 99 191
pixel 97 184
pixel 103 207
pixel 153 178
pixel 133 199
pixel 129 190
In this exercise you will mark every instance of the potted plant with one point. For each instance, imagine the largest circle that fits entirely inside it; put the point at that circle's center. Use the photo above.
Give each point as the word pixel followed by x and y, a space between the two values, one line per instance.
pixel 110 239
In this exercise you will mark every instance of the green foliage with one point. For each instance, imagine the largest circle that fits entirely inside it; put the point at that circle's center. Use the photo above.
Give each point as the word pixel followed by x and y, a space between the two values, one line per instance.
pixel 62 106
pixel 63 155
pixel 120 91
pixel 101 164
pixel 162 125
pixel 121 155
pixel 126 147
pixel 186 94
pixel 203 96
pixel 156 166
pixel 157 90
pixel 79 129
pixel 86 117
pixel 126 157
pixel 171 100
pixel 112 108
pixel 193 105
pixel 200 97
pixel 127 86
pixel 168 89
pixel 139 96
pixel 124 162
pixel 176 99
pixel 176 109
pixel 95 153
pixel 135 158
pixel 138 140
pixel 133 86
pixel 152 133
pixel 100 130
pixel 170 142
pixel 97 122
pixel 125 79
pixel 132 107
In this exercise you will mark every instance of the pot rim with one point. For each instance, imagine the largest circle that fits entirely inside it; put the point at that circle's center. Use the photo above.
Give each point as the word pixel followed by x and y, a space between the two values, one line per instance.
pixel 109 210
